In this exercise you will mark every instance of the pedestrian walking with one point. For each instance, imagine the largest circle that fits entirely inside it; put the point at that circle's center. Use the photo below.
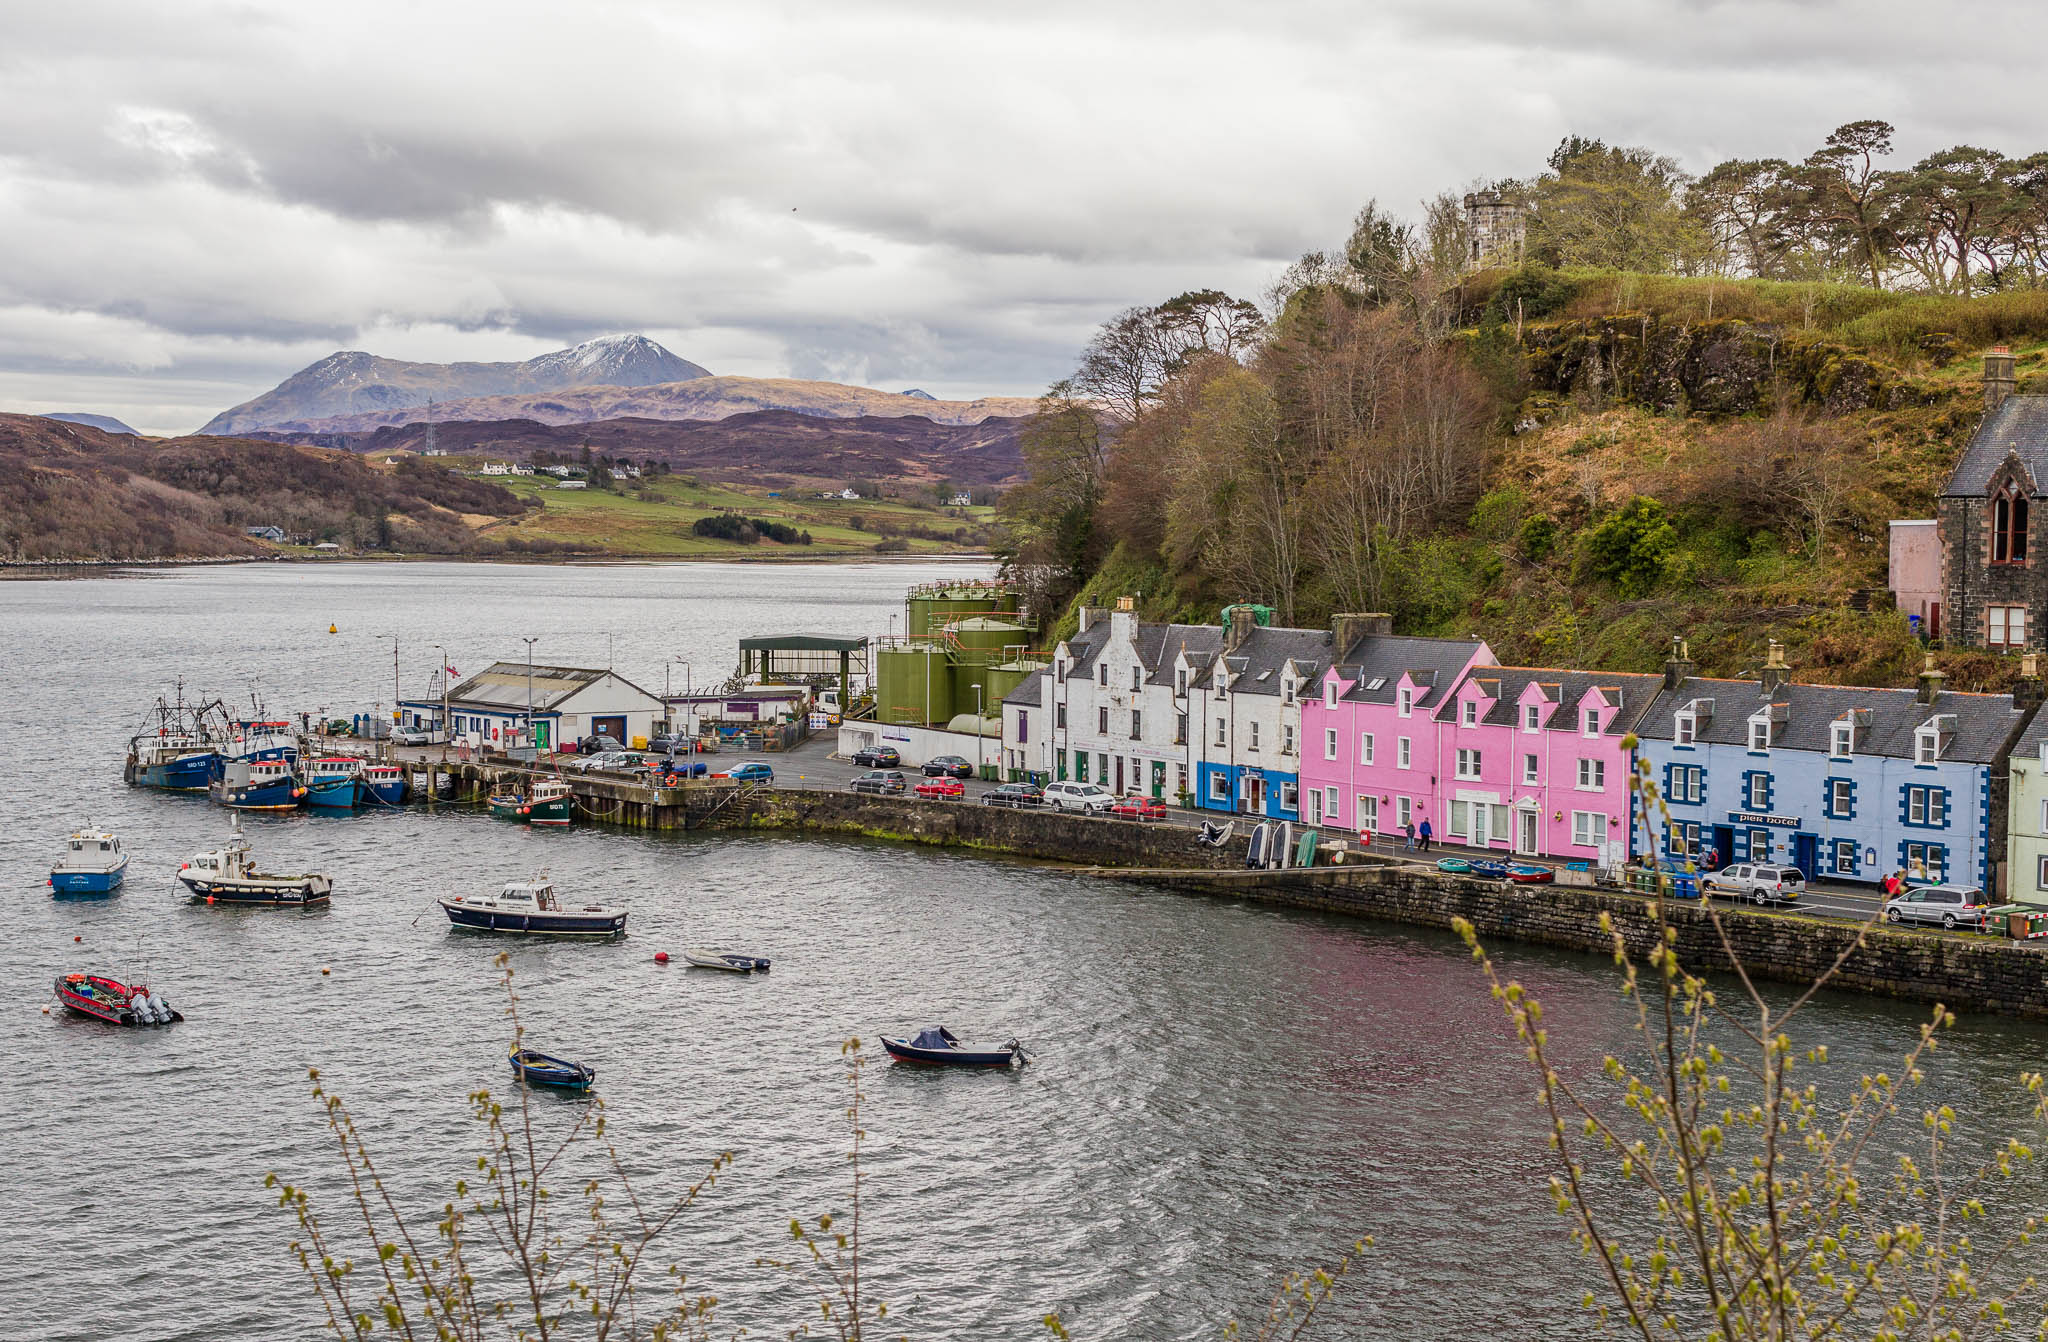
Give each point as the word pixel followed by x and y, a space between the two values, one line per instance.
pixel 1408 835
pixel 1426 833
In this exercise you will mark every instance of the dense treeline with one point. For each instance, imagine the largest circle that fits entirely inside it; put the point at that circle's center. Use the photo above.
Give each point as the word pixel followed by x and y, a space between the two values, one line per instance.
pixel 748 530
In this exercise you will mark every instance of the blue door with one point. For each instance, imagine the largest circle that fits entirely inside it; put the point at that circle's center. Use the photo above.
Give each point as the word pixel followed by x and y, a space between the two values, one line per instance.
pixel 1806 855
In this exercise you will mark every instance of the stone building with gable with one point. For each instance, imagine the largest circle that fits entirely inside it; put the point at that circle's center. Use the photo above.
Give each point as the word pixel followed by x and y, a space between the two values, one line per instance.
pixel 1994 576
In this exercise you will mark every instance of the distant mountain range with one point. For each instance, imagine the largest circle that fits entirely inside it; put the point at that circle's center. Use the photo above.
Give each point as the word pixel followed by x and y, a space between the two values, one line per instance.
pixel 613 378
pixel 354 384
pixel 106 422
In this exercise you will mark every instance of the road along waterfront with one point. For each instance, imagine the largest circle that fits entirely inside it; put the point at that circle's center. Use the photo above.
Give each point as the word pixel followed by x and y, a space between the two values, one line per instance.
pixel 1225 1089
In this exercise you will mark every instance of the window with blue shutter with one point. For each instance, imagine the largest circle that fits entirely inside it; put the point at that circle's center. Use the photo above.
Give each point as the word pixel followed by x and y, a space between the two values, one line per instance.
pixel 1756 790
pixel 1924 806
pixel 1838 798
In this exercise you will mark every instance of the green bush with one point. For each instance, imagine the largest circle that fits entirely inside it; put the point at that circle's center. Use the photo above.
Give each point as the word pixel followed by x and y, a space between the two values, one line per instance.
pixel 1538 539
pixel 1499 512
pixel 1630 548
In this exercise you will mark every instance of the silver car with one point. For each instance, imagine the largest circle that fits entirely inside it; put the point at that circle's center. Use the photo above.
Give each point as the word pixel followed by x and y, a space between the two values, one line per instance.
pixel 1757 882
pixel 1952 906
pixel 1087 798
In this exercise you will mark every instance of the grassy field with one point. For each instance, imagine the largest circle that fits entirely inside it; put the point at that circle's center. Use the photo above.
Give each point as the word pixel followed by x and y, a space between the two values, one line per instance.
pixel 653 517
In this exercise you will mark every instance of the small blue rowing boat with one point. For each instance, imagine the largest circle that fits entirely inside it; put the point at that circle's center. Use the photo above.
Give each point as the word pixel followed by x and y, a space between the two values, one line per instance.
pixel 938 1045
pixel 1493 871
pixel 1454 864
pixel 540 1069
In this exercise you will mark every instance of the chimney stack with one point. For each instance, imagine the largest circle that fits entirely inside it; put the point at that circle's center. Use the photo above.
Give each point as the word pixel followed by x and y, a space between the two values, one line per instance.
pixel 1347 631
pixel 1776 673
pixel 1930 681
pixel 1240 628
pixel 1999 381
pixel 2029 692
pixel 1089 616
pixel 1678 667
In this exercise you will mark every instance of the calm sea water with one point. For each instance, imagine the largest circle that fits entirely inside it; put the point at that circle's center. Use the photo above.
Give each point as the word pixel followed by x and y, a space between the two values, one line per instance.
pixel 1224 1091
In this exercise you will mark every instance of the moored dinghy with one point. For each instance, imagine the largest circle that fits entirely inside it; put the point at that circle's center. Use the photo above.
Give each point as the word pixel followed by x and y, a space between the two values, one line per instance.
pixel 542 1069
pixel 939 1045
pixel 726 960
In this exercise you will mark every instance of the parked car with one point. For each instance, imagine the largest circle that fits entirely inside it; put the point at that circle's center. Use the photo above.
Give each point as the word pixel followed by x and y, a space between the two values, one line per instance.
pixel 1137 806
pixel 1952 906
pixel 1757 882
pixel 878 757
pixel 593 745
pixel 1087 798
pixel 748 771
pixel 606 761
pixel 880 781
pixel 411 736
pixel 947 766
pixel 941 787
pixel 667 744
pixel 1023 796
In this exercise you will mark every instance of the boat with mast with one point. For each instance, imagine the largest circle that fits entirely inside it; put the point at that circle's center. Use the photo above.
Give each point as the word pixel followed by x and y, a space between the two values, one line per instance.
pixel 180 750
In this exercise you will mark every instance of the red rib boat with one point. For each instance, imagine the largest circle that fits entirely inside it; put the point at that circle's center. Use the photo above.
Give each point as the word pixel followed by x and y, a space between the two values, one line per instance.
pixel 113 1001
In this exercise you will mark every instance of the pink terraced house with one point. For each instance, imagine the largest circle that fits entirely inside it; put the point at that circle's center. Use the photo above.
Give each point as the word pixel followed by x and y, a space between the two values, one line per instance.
pixel 1369 737
pixel 1531 761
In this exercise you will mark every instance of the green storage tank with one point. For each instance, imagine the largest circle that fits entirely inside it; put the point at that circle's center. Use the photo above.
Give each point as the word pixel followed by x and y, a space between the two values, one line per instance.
pixel 933 606
pixel 1003 680
pixel 914 684
pixel 981 634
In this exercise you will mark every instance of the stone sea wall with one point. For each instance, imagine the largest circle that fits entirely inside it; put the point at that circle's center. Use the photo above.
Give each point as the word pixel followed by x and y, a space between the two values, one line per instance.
pixel 1964 972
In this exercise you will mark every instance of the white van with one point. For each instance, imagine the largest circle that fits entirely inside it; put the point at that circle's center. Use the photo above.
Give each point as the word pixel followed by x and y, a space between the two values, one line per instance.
pixel 1087 798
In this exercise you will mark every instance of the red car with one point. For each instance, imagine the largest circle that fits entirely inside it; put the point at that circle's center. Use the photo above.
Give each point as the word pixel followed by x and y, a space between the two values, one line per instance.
pixel 941 787
pixel 1135 807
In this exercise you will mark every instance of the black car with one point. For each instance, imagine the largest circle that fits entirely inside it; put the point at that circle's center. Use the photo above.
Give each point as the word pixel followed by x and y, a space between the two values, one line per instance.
pixel 1020 795
pixel 591 745
pixel 947 766
pixel 880 781
pixel 878 757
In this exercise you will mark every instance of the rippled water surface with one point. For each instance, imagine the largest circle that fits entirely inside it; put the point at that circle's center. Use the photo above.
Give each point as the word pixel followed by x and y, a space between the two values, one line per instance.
pixel 1224 1091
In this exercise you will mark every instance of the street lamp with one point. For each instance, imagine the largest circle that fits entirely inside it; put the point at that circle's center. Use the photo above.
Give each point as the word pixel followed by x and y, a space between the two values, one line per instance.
pixel 529 687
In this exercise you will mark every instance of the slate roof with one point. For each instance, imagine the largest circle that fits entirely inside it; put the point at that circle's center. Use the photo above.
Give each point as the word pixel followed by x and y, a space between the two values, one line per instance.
pixel 2030 740
pixel 2019 425
pixel 1160 644
pixel 1434 663
pixel 1085 646
pixel 503 685
pixel 1255 664
pixel 1982 722
pixel 1567 690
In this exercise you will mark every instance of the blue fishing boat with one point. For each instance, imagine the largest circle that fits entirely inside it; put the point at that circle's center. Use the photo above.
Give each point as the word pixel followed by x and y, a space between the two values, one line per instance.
pixel 530 907
pixel 1493 871
pixel 175 763
pixel 330 782
pixel 93 864
pixel 380 785
pixel 259 785
pixel 541 1069
pixel 939 1046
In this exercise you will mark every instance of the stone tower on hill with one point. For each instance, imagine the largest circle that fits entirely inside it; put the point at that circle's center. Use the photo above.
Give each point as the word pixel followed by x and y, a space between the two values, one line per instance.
pixel 1496 227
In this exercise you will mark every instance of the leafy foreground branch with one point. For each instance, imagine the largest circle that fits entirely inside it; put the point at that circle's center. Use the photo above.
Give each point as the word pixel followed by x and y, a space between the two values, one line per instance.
pixel 508 1257
pixel 1723 1195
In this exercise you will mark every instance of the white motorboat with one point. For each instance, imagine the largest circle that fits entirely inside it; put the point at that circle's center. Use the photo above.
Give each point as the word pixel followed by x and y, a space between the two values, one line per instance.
pixel 228 875
pixel 729 961
pixel 532 907
pixel 92 864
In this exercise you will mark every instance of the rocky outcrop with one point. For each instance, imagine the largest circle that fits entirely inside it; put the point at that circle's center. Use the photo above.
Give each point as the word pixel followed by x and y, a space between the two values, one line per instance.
pixel 1706 368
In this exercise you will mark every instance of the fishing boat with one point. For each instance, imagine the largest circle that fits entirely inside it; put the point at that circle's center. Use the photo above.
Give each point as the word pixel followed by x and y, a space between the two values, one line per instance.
pixel 259 785
pixel 507 805
pixel 726 960
pixel 938 1045
pixel 541 1069
pixel 93 864
pixel 227 875
pixel 531 907
pixel 380 785
pixel 260 739
pixel 176 763
pixel 113 1001
pixel 549 802
pixel 330 782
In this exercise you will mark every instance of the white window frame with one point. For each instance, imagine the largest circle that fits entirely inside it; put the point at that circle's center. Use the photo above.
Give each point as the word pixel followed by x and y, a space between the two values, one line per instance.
pixel 1685 729
pixel 1532 717
pixel 1404 810
pixel 1592 775
pixel 1219 786
pixel 1365 753
pixel 1329 743
pixel 1333 802
pixel 1532 768
pixel 1758 782
pixel 1253 742
pixel 1759 735
pixel 2044 815
pixel 1841 798
pixel 1330 695
pixel 1468 713
pixel 1402 753
pixel 1368 817
pixel 1926 746
pixel 1841 740
pixel 1404 700
pixel 1459 819
pixel 1468 762
pixel 1589 722
pixel 1287 738
pixel 1222 732
pixel 1588 828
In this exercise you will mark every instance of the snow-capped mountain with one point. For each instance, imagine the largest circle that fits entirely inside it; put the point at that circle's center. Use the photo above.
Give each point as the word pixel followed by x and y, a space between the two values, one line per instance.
pixel 352 382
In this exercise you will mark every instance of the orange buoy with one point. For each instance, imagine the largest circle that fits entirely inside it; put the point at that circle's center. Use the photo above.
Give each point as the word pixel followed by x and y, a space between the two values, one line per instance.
pixel 78 938
pixel 324 970
pixel 661 957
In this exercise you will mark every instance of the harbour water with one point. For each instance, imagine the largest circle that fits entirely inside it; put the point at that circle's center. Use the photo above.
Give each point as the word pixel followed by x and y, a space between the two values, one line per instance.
pixel 1223 1091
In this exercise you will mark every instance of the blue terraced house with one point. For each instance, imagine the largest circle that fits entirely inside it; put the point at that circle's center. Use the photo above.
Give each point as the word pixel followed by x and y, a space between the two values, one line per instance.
pixel 1845 783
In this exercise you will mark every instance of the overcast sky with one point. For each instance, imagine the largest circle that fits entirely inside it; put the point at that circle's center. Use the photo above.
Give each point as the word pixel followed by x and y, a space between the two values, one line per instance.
pixel 198 199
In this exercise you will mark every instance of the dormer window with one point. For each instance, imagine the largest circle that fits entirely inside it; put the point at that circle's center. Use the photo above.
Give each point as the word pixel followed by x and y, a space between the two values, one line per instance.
pixel 1926 745
pixel 1330 697
pixel 1760 732
pixel 1684 728
pixel 1532 717
pixel 1468 714
pixel 2009 526
pixel 1842 740
pixel 1404 701
pixel 1589 721
pixel 1287 691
